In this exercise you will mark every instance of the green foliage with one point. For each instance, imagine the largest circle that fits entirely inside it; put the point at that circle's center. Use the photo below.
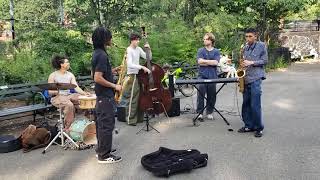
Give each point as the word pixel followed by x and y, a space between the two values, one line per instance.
pixel 278 63
pixel 35 14
pixel 174 42
pixel 4 9
pixel 67 42
pixel 175 29
pixel 35 60
pixel 309 12
pixel 222 25
pixel 24 67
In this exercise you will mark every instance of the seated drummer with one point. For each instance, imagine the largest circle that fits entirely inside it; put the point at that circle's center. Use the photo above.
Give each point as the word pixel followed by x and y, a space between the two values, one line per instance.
pixel 64 99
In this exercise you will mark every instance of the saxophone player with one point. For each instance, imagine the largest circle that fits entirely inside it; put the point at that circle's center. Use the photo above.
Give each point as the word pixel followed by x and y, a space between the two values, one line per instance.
pixel 255 56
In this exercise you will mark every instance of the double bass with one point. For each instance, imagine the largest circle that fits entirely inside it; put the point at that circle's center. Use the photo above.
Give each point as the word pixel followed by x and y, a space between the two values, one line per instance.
pixel 154 98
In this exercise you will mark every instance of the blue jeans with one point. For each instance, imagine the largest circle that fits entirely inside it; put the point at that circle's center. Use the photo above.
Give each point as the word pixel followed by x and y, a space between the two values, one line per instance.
pixel 251 106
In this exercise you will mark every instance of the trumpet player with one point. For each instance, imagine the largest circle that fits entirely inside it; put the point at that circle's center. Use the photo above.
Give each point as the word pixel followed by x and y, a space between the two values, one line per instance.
pixel 255 57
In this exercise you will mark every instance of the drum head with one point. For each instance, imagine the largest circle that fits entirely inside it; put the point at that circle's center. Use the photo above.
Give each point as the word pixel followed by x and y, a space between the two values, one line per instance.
pixel 93 96
pixel 89 134
pixel 83 130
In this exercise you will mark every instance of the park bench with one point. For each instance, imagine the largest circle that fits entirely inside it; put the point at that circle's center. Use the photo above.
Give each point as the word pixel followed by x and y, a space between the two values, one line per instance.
pixel 85 82
pixel 29 93
pixel 35 98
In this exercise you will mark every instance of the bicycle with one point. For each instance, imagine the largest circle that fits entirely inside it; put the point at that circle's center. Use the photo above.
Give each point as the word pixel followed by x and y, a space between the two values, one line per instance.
pixel 180 72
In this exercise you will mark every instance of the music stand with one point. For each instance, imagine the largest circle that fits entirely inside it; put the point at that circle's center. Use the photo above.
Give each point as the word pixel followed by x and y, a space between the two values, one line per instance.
pixel 61 133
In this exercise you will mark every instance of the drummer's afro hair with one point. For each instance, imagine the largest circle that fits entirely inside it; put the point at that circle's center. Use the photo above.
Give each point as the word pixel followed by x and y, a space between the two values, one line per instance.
pixel 57 60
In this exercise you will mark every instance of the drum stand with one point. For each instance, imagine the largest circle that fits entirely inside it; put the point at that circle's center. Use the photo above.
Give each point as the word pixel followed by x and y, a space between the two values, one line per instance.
pixel 60 134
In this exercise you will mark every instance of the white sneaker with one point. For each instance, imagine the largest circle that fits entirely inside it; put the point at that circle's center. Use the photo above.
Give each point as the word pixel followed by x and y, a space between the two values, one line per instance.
pixel 200 118
pixel 110 159
pixel 210 116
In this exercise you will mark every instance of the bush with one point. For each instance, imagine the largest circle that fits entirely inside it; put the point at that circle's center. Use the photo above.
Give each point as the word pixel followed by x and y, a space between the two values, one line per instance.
pixel 23 67
pixel 174 42
pixel 278 63
pixel 32 57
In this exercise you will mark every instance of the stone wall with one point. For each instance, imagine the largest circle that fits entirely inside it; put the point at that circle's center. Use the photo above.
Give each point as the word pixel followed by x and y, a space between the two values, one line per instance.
pixel 301 43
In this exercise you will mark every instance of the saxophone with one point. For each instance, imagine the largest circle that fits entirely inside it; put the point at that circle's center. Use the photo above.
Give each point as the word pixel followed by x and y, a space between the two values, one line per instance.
pixel 241 71
pixel 122 74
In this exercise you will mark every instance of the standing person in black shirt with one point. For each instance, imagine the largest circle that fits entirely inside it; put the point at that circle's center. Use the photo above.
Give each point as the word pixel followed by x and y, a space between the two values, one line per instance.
pixel 104 89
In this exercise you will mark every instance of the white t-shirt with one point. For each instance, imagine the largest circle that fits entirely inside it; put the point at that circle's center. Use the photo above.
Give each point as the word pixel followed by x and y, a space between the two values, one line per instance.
pixel 133 57
pixel 63 78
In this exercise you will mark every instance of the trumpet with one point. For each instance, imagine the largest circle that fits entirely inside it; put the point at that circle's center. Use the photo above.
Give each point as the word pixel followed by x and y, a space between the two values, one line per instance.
pixel 241 71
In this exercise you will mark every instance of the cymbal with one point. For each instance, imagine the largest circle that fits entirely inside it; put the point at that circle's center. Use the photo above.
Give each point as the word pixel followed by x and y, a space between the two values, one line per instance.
pixel 56 86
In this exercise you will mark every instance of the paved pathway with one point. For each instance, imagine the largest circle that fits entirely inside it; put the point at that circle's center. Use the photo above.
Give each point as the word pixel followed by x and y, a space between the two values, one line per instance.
pixel 289 149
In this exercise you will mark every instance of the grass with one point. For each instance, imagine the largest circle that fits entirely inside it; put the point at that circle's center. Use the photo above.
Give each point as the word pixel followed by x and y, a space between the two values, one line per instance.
pixel 278 64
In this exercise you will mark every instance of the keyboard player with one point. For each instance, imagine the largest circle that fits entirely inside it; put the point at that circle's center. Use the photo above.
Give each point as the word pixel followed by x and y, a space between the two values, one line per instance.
pixel 207 58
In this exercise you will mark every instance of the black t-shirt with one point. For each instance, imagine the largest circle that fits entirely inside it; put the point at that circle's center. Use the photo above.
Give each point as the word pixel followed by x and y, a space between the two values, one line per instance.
pixel 100 63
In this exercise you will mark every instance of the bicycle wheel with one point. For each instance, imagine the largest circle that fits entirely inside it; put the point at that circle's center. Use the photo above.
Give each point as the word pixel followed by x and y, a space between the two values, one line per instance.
pixel 187 89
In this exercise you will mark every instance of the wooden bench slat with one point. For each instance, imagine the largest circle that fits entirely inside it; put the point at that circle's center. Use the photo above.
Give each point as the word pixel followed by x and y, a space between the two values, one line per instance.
pixel 79 78
pixel 17 110
pixel 16 91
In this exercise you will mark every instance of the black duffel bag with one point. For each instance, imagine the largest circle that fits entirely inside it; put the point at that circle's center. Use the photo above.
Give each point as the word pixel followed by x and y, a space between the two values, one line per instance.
pixel 166 162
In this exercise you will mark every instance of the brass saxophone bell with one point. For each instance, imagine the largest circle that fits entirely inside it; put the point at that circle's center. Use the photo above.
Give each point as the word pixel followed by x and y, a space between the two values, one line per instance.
pixel 241 73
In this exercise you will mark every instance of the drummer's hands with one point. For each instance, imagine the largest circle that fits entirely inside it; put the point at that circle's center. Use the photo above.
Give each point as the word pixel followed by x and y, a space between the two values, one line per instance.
pixel 87 93
pixel 118 87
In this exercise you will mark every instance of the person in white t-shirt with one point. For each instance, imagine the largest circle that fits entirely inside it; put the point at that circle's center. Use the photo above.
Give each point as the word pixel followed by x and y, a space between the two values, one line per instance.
pixel 131 88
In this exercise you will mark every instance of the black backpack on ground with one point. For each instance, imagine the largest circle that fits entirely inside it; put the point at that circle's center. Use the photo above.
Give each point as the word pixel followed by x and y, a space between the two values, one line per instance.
pixel 165 162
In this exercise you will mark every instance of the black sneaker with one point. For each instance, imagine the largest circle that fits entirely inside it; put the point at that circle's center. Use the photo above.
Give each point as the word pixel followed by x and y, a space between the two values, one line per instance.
pixel 109 160
pixel 112 151
pixel 245 130
pixel 258 134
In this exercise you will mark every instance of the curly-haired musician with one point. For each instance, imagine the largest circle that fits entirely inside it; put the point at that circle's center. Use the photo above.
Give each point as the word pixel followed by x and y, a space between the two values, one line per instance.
pixel 255 57
pixel 64 99
pixel 104 89
pixel 131 89
pixel 208 58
